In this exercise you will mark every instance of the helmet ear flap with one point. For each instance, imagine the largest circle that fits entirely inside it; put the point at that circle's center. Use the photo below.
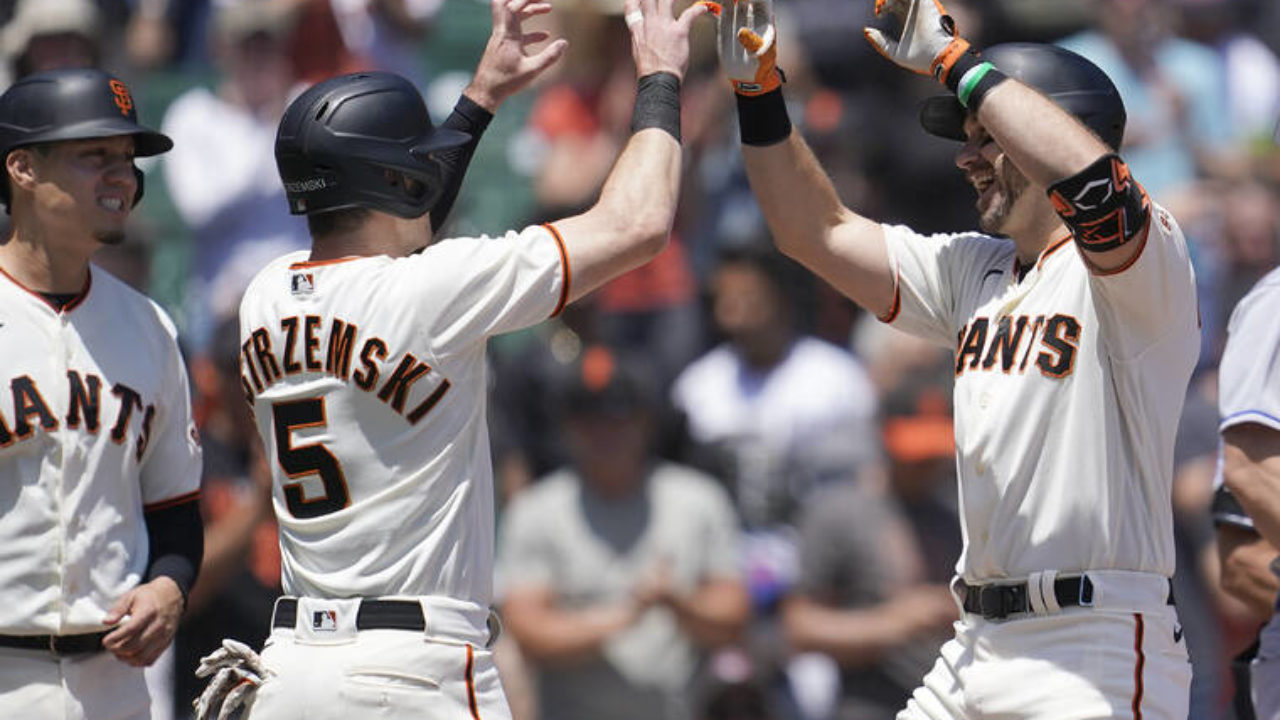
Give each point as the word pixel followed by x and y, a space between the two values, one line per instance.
pixel 137 195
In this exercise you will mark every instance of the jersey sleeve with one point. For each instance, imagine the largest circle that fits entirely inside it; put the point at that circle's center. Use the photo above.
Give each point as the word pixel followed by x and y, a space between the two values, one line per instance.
pixel 473 288
pixel 171 461
pixel 1249 373
pixel 1153 297
pixel 930 274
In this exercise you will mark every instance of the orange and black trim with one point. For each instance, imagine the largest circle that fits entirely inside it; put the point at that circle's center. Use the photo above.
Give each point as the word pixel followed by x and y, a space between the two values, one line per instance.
pixel 1142 246
pixel 172 502
pixel 894 309
pixel 471 682
pixel 304 264
pixel 1054 247
pixel 75 301
pixel 564 263
pixel 1139 663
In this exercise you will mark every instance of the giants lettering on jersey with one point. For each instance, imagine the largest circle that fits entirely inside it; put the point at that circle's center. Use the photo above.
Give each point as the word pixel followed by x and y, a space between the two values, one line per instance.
pixel 301 353
pixel 1008 344
pixel 84 409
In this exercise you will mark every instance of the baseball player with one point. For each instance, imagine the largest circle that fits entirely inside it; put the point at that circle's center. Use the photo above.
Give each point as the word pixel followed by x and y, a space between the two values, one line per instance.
pixel 1249 404
pixel 364 363
pixel 1073 318
pixel 100 535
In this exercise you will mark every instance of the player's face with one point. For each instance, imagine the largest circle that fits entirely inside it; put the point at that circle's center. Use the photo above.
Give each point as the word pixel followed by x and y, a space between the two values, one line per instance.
pixel 998 182
pixel 88 185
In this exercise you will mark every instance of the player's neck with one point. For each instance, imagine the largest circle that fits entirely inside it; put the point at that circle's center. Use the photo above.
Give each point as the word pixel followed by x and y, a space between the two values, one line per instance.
pixel 28 257
pixel 379 234
pixel 1031 241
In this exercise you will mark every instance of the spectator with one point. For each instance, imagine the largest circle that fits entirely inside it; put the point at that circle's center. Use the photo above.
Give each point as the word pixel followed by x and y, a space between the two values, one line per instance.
pixel 875 562
pixel 619 570
pixel 776 410
pixel 50 34
pixel 222 173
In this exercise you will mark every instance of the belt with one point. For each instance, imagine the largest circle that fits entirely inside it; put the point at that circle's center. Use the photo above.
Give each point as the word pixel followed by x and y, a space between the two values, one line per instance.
pixel 373 615
pixel 995 601
pixel 56 644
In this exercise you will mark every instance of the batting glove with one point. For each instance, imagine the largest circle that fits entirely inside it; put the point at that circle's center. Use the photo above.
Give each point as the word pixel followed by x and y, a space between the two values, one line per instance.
pixel 745 42
pixel 237 672
pixel 929 44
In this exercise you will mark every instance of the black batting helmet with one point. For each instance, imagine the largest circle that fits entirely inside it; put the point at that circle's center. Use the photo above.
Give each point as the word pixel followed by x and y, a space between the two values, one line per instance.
pixel 72 104
pixel 1073 82
pixel 350 141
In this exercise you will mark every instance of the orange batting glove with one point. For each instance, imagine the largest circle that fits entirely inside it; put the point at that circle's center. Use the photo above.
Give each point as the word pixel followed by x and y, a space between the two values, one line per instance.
pixel 929 44
pixel 746 46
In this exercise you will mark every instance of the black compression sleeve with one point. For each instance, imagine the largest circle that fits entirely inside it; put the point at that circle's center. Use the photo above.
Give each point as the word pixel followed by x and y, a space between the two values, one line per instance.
pixel 470 118
pixel 176 536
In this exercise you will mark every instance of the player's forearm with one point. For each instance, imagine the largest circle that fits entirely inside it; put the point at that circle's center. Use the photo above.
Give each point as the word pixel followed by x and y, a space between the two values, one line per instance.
pixel 631 221
pixel 714 614
pixel 1044 141
pixel 794 193
pixel 1251 469
pixel 1246 560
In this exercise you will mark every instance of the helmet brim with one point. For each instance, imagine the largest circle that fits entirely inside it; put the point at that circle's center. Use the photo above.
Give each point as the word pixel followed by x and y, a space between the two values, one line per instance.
pixel 943 116
pixel 146 142
pixel 439 139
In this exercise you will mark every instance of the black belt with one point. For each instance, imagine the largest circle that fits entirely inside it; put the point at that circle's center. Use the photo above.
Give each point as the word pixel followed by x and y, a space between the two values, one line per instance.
pixel 56 644
pixel 995 602
pixel 373 615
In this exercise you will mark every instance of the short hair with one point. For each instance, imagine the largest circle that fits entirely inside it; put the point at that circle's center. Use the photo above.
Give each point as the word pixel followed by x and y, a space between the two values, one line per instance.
pixel 333 222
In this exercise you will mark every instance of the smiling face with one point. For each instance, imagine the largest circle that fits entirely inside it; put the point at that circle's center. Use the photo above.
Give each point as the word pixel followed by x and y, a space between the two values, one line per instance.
pixel 85 187
pixel 1001 187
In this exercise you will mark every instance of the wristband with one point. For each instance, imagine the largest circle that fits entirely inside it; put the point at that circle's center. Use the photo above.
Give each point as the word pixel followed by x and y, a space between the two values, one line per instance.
pixel 657 104
pixel 971 78
pixel 763 119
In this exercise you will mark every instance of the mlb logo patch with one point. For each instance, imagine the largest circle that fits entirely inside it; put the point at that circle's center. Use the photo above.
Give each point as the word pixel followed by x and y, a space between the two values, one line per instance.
pixel 302 283
pixel 326 620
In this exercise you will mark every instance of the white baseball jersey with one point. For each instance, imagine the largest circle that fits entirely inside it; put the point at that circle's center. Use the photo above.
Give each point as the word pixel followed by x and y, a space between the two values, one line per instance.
pixel 1249 373
pixel 368 383
pixel 1069 386
pixel 95 428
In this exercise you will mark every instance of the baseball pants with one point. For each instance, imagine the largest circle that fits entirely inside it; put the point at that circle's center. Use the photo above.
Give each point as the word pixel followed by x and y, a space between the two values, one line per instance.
pixel 1264 672
pixel 327 669
pixel 1123 657
pixel 35 685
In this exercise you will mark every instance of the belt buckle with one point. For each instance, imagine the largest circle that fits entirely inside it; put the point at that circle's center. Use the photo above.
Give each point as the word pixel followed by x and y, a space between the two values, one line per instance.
pixel 993 602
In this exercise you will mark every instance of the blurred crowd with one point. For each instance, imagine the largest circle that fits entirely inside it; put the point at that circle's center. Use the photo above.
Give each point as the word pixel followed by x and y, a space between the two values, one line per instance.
pixel 725 493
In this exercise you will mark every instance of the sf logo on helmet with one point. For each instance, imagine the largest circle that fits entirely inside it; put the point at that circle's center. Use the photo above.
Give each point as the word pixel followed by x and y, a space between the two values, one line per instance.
pixel 123 99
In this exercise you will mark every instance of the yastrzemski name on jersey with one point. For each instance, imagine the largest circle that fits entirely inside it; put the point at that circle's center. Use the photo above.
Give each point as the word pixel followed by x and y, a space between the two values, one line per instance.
pixel 301 353
pixel 84 409
pixel 980 346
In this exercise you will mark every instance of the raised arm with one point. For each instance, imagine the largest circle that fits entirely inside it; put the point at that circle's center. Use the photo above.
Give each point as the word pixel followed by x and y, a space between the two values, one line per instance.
pixel 505 69
pixel 805 216
pixel 1087 183
pixel 630 222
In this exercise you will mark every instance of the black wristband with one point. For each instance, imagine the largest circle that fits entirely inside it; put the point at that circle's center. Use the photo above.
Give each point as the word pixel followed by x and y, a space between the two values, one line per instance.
pixel 971 78
pixel 178 569
pixel 763 119
pixel 657 104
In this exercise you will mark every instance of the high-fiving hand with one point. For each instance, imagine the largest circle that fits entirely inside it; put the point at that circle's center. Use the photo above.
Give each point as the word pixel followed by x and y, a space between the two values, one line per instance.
pixel 507 66
pixel 747 47
pixel 928 45
pixel 659 40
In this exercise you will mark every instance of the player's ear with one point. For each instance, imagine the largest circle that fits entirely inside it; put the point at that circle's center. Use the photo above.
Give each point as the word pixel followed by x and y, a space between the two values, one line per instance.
pixel 19 166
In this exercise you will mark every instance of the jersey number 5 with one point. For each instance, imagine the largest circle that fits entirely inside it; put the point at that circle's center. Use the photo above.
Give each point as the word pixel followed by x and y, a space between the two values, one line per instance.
pixel 299 462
